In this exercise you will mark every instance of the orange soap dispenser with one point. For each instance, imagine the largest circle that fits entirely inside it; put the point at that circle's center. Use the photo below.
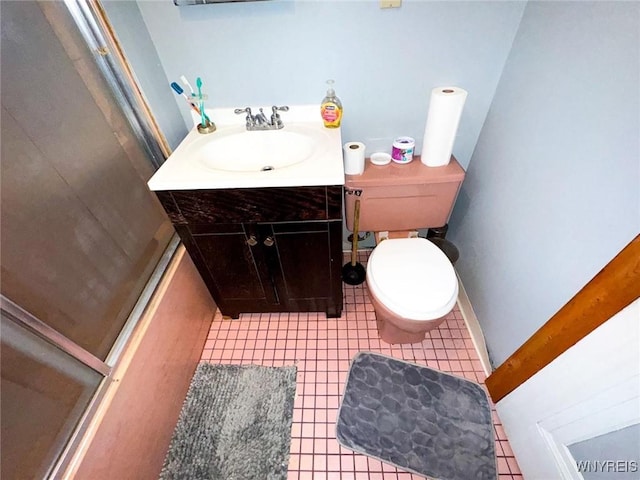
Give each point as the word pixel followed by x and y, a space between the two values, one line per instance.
pixel 331 108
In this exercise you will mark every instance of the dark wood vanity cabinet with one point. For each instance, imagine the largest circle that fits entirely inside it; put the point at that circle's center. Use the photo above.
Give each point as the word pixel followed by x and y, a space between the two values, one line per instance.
pixel 265 249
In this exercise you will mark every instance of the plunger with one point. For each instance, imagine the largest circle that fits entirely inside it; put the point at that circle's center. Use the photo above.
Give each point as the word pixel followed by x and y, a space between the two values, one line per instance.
pixel 353 273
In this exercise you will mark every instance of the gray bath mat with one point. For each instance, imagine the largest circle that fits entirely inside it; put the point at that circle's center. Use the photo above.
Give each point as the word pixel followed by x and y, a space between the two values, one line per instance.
pixel 235 424
pixel 418 419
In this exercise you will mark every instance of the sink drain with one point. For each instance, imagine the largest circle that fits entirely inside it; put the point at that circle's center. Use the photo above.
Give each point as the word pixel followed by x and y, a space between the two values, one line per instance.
pixel 267 168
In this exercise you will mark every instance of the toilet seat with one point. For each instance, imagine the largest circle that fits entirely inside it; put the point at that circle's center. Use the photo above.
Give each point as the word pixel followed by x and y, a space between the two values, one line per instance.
pixel 413 278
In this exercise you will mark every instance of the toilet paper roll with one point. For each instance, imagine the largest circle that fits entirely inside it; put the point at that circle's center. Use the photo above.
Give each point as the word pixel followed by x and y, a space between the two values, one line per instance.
pixel 445 109
pixel 354 158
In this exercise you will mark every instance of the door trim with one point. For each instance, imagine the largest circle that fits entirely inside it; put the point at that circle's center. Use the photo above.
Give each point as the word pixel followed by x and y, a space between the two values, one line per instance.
pixel 616 286
pixel 99 37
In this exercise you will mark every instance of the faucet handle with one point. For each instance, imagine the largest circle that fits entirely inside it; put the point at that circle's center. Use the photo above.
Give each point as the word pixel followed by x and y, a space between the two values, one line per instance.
pixel 251 120
pixel 276 121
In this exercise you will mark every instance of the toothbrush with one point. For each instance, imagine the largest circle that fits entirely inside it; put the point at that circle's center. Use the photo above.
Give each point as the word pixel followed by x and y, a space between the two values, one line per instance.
pixel 203 115
pixel 178 89
pixel 186 83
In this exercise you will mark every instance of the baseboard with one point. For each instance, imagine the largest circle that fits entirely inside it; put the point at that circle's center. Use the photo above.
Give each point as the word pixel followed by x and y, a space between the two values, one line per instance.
pixel 473 325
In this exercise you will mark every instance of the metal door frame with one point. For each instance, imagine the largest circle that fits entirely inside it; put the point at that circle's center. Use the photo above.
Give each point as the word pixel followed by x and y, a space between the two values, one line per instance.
pixel 94 29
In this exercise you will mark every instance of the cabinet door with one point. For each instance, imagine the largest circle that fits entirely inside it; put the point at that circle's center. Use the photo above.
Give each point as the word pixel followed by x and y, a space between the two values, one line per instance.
pixel 231 256
pixel 305 277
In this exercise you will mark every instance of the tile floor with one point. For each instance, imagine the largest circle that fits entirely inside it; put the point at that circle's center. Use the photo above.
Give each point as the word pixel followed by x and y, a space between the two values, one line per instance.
pixel 322 349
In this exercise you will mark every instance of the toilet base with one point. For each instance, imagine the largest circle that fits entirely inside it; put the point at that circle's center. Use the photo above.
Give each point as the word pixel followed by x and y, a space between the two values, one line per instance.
pixel 395 329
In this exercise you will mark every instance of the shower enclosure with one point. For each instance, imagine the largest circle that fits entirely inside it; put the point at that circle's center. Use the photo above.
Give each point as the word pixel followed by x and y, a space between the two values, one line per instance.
pixel 83 240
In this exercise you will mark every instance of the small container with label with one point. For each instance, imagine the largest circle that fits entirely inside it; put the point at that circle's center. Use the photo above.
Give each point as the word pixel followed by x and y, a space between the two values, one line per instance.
pixel 331 108
pixel 402 151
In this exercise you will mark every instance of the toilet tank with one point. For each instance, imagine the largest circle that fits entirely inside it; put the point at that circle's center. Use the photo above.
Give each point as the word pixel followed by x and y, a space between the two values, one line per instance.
pixel 403 197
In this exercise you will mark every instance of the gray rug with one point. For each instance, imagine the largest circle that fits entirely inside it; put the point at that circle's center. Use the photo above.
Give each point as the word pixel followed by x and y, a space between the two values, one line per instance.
pixel 235 424
pixel 418 419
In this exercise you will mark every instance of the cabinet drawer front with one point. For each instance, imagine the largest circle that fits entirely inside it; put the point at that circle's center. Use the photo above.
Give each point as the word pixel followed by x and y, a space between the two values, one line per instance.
pixel 300 227
pixel 217 228
pixel 254 205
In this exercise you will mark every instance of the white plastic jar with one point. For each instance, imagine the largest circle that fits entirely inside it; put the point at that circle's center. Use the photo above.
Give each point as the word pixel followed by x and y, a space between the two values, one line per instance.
pixel 402 151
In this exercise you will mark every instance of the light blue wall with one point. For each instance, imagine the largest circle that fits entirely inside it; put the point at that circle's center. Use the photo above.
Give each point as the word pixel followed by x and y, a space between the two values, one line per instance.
pixel 384 62
pixel 143 57
pixel 552 192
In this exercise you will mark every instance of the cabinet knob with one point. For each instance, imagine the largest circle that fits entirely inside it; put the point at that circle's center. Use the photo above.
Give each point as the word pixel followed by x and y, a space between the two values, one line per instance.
pixel 269 241
pixel 252 240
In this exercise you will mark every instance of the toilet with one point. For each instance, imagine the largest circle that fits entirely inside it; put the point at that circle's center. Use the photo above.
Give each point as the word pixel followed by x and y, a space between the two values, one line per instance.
pixel 412 284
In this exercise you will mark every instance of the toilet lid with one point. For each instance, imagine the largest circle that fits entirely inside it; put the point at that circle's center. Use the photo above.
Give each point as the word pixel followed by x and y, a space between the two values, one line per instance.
pixel 413 278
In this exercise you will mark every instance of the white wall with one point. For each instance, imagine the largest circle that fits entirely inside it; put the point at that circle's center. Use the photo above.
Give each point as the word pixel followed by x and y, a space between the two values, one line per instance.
pixel 552 191
pixel 384 62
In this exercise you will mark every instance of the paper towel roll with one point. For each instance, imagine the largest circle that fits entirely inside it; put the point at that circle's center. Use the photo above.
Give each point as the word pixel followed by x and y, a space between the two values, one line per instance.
pixel 445 109
pixel 354 158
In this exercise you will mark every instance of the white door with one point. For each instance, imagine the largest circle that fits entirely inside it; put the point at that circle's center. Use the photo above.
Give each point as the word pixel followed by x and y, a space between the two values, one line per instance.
pixel 591 389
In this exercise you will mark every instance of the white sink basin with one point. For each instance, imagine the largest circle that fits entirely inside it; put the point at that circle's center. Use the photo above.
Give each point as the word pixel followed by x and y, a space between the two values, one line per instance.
pixel 303 153
pixel 237 150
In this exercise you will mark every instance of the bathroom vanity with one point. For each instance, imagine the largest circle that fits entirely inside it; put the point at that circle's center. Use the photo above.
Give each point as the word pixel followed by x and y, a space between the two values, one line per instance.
pixel 264 249
pixel 260 212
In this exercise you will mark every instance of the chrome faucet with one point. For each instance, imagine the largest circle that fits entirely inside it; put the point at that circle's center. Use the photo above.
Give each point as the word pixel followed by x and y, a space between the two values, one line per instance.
pixel 260 121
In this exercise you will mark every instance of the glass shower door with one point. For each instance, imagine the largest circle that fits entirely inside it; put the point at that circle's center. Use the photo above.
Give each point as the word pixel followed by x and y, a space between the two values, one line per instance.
pixel 44 392
pixel 81 233
pixel 80 230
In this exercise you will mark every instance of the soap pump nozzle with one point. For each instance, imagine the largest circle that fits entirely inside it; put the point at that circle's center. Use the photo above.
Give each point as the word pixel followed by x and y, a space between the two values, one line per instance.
pixel 330 91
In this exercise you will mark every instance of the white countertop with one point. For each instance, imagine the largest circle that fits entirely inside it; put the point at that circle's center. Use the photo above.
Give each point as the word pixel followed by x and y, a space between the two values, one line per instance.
pixel 185 171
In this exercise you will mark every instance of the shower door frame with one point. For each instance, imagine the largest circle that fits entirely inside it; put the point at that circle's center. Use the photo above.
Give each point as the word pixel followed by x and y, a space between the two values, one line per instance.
pixel 96 32
pixel 22 318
